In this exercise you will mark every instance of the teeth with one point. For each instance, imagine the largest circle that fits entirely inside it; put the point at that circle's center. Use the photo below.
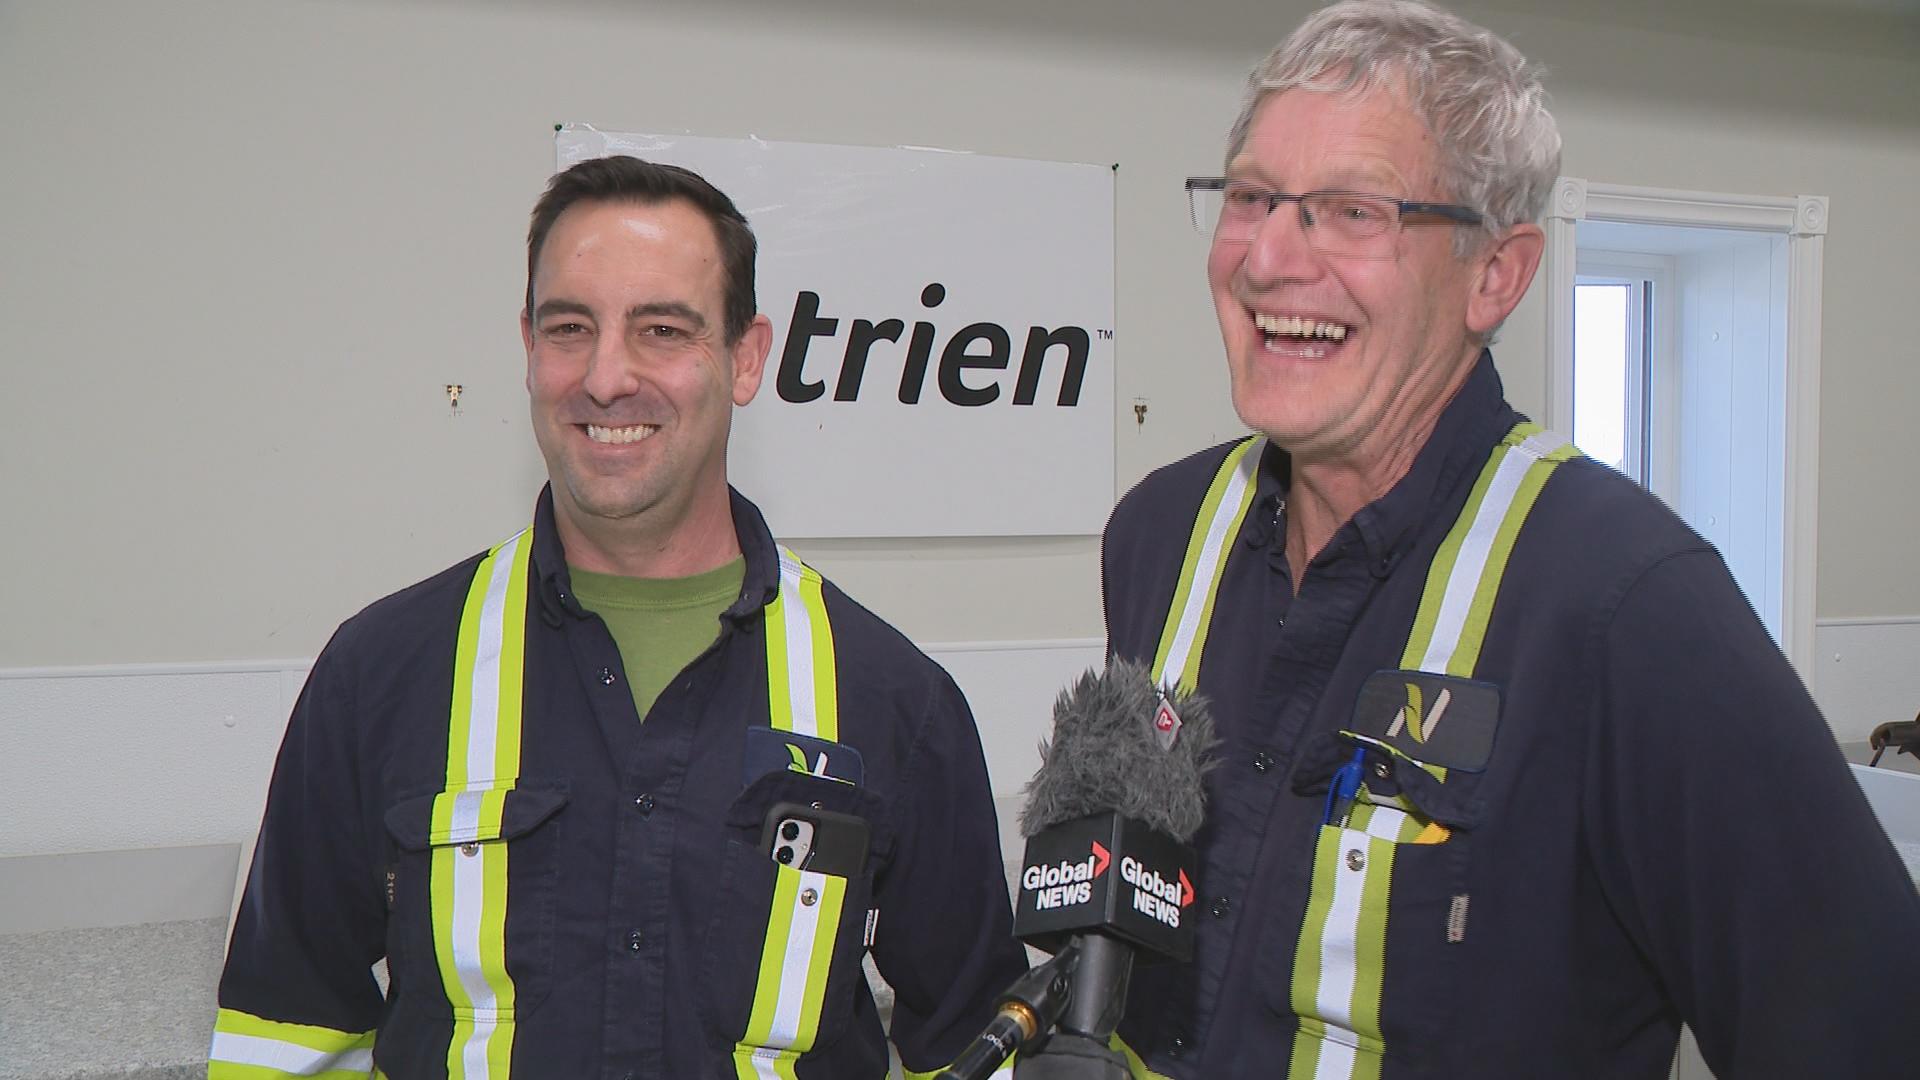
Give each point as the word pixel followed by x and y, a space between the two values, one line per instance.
pixel 1291 326
pixel 621 435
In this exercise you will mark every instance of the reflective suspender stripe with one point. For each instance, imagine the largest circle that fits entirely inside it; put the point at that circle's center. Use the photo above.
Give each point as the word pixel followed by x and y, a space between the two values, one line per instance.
pixel 1465 576
pixel 1221 512
pixel 801 682
pixel 469 878
pixel 247 1047
pixel 803 923
pixel 1340 962
pixel 1339 967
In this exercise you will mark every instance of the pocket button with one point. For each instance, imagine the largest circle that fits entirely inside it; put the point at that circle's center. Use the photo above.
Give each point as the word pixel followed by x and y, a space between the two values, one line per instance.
pixel 1355 860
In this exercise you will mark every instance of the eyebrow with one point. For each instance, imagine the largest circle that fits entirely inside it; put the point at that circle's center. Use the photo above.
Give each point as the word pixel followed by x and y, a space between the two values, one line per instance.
pixel 560 307
pixel 675 308
pixel 668 307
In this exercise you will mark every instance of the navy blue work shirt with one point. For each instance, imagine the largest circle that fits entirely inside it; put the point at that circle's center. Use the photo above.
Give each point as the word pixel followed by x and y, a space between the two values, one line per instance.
pixel 632 946
pixel 1665 830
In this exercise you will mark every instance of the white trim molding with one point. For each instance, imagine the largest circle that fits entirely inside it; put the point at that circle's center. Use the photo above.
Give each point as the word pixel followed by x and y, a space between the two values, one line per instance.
pixel 1802 220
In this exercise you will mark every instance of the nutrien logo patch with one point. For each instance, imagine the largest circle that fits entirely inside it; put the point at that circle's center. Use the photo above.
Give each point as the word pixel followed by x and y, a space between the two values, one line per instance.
pixel 970 360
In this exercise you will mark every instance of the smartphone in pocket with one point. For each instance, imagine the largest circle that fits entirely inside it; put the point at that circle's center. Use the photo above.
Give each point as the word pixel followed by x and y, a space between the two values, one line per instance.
pixel 808 838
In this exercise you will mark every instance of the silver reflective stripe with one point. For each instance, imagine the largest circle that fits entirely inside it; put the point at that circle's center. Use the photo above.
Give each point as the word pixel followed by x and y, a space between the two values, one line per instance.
pixel 1206 568
pixel 469 896
pixel 799 628
pixel 286 1057
pixel 466 818
pixel 1337 1054
pixel 484 716
pixel 1338 944
pixel 1464 583
pixel 798 960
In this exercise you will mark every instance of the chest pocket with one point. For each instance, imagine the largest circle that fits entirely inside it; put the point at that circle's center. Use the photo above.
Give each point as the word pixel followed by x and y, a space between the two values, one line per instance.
pixel 475 869
pixel 783 948
pixel 1369 973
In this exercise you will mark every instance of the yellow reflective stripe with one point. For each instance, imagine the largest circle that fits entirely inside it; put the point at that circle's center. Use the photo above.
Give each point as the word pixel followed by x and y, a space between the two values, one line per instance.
pixel 1182 640
pixel 1340 965
pixel 826 689
pixel 468 879
pixel 802 928
pixel 802 683
pixel 249 1047
pixel 1340 959
pixel 1464 578
pixel 803 922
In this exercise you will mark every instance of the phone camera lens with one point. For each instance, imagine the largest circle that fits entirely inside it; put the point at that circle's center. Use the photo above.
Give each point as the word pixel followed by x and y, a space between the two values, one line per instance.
pixel 784 855
pixel 790 830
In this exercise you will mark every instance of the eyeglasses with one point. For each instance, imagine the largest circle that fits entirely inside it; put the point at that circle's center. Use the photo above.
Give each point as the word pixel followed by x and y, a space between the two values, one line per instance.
pixel 1336 222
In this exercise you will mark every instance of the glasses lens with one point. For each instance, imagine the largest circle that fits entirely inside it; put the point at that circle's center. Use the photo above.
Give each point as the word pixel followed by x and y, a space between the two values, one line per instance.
pixel 1203 207
pixel 1346 224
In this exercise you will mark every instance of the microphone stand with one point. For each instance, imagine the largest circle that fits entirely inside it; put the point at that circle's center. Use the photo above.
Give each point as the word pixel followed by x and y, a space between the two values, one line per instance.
pixel 1080 1049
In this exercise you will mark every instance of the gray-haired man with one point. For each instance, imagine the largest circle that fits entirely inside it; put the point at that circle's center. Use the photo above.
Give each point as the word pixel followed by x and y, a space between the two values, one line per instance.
pixel 1515 783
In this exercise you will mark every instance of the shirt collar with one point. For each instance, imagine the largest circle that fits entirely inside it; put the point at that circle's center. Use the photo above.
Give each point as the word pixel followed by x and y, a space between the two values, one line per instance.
pixel 1476 418
pixel 760 583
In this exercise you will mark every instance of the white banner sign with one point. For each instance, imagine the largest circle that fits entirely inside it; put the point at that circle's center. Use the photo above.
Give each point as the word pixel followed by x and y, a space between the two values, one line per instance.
pixel 942 359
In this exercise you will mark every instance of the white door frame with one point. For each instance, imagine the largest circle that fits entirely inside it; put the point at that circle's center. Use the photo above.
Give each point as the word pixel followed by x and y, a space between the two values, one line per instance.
pixel 1802 219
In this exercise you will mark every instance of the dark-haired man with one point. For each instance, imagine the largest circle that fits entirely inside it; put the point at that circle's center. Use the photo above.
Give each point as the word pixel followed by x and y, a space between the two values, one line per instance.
pixel 633 793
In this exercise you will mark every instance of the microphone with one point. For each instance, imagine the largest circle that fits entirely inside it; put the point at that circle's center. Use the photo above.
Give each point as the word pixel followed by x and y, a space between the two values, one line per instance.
pixel 1107 869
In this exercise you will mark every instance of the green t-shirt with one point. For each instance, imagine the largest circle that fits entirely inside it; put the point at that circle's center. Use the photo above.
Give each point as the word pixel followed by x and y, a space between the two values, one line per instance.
pixel 660 624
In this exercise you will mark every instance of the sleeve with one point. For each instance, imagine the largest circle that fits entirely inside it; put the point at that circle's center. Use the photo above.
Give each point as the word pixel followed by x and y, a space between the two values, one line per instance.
pixel 1735 845
pixel 945 936
pixel 298 996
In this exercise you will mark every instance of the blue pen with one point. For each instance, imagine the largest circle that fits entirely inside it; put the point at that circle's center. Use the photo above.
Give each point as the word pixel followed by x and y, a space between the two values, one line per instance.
pixel 1344 786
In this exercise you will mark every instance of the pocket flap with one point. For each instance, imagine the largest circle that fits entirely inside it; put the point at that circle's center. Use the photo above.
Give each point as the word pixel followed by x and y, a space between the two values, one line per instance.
pixel 748 813
pixel 474 815
pixel 1454 803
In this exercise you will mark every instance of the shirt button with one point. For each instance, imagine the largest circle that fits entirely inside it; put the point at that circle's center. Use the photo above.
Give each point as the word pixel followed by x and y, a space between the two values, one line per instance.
pixel 606 676
pixel 1281 622
pixel 634 940
pixel 1220 907
pixel 1261 762
pixel 644 804
pixel 1176 1046
pixel 1383 769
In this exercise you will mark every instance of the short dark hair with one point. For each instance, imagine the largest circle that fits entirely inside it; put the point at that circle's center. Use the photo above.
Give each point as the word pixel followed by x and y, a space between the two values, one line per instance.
pixel 630 180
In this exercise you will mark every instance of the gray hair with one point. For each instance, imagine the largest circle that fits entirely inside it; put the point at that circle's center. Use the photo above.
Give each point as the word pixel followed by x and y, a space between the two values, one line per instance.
pixel 1482 100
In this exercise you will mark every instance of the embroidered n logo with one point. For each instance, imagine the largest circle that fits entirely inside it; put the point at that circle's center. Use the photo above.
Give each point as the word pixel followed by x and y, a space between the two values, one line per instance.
pixel 1409 716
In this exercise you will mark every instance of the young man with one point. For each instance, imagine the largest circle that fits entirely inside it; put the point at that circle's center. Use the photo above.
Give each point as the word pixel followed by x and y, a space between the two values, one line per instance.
pixel 633 793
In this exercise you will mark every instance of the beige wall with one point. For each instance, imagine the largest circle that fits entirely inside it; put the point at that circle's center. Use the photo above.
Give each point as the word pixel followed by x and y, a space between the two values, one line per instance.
pixel 243 245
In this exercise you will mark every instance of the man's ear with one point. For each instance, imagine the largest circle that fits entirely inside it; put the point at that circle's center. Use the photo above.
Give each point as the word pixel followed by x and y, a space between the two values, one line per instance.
pixel 526 339
pixel 750 358
pixel 1504 269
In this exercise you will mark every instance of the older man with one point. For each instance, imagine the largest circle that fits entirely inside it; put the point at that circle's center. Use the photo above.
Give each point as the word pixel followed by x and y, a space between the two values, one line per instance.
pixel 1514 782
pixel 632 793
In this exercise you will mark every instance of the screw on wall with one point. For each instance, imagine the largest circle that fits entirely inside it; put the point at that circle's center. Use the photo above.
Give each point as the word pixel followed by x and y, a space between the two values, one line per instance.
pixel 453 395
pixel 1140 411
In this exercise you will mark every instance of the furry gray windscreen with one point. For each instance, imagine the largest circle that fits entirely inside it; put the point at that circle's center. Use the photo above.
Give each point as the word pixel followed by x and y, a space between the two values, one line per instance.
pixel 1104 755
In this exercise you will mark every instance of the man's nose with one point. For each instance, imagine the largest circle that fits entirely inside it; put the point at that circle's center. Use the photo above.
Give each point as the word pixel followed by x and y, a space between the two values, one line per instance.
pixel 611 370
pixel 1282 249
